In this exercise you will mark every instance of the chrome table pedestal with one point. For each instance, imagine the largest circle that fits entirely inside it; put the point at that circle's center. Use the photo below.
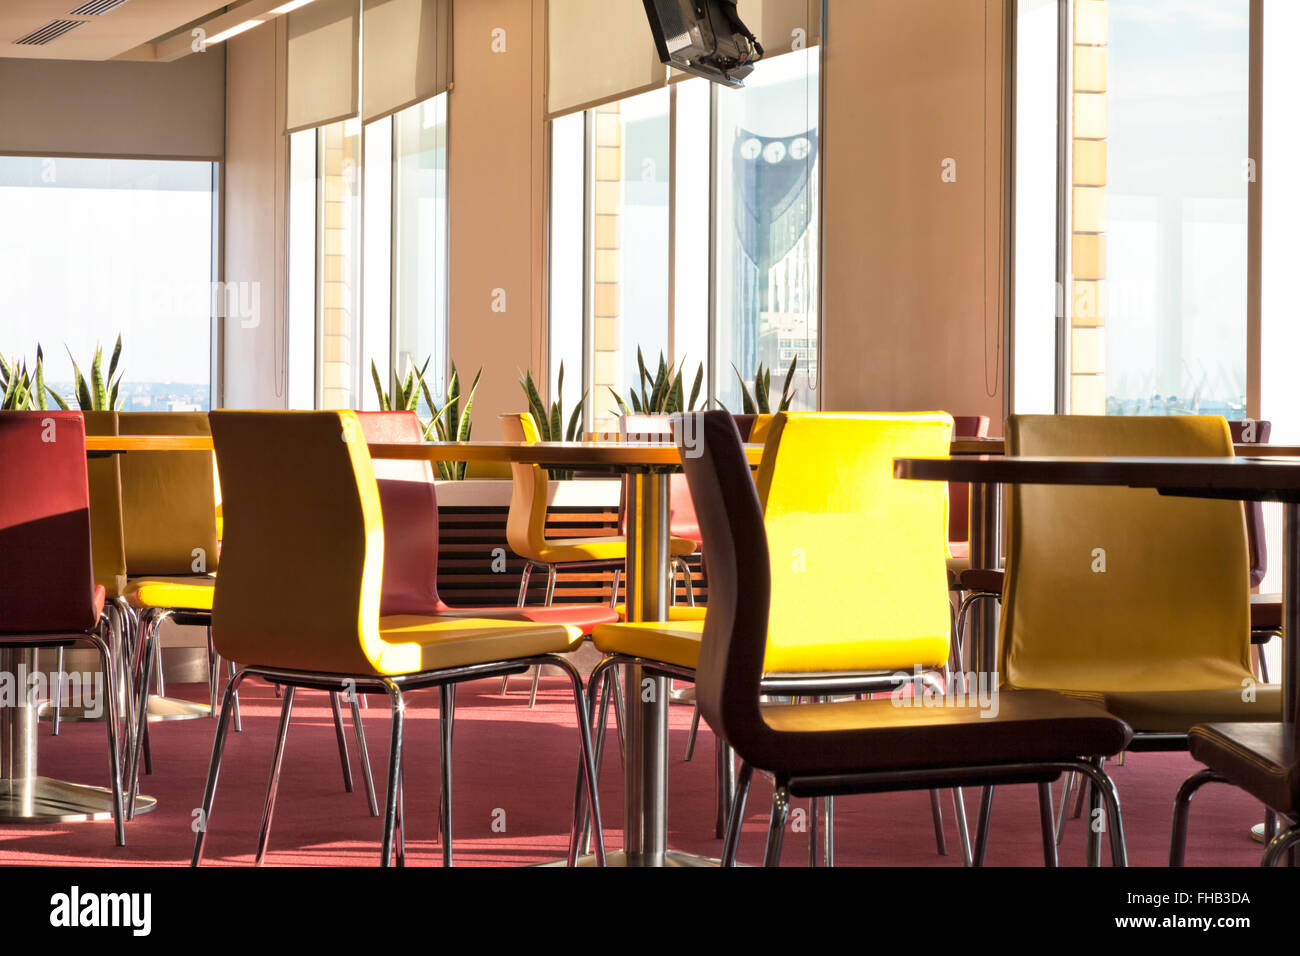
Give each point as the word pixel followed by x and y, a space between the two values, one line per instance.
pixel 26 797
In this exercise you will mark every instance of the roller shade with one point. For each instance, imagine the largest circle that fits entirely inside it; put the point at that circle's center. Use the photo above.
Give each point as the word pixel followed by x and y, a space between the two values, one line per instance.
pixel 405 55
pixel 780 24
pixel 598 51
pixel 324 37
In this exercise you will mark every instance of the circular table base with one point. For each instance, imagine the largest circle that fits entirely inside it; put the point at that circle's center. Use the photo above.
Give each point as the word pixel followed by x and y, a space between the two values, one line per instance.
pixel 618 858
pixel 45 800
pixel 172 708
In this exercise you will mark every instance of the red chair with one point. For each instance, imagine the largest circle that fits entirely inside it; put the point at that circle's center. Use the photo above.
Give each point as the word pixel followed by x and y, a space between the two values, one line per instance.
pixel 48 595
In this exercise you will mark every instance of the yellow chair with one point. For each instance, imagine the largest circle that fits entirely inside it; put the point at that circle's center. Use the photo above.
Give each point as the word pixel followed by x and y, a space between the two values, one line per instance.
pixel 861 746
pixel 526 530
pixel 844 615
pixel 302 483
pixel 1127 597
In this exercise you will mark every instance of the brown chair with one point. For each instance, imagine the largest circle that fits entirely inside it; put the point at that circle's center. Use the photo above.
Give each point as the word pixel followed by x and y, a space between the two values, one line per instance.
pixel 823 749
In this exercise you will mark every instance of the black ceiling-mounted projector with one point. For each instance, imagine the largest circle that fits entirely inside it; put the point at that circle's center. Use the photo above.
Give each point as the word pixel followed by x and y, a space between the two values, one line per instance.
pixel 705 38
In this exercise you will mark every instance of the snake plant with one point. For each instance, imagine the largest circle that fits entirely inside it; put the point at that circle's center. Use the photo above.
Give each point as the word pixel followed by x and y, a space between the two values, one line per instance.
pixel 759 403
pixel 550 424
pixel 24 390
pixel 662 393
pixel 450 422
pixel 100 393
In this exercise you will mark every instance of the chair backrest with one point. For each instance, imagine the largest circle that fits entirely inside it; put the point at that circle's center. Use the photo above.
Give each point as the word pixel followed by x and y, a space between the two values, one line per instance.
pixel 301 583
pixel 408 499
pixel 744 424
pixel 963 426
pixel 1257 431
pixel 46 571
pixel 108 542
pixel 857 557
pixel 734 642
pixel 1105 586
pixel 169 508
pixel 526 521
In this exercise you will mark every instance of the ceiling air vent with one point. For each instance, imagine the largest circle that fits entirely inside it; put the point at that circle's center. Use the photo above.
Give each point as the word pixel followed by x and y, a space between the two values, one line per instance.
pixel 51 31
pixel 94 8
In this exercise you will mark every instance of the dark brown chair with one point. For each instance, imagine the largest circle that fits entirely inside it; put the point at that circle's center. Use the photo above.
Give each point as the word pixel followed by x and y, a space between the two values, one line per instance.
pixel 874 745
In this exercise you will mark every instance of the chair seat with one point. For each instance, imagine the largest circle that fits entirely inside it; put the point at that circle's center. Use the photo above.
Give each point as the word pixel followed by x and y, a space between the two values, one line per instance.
pixel 958 554
pixel 1266 612
pixel 585 617
pixel 676 612
pixel 185 592
pixel 1176 711
pixel 1259 758
pixel 877 734
pixel 422 643
pixel 676 643
pixel 614 548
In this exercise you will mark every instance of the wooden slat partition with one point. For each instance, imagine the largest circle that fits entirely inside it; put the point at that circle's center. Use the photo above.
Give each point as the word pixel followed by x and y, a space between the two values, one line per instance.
pixel 468 541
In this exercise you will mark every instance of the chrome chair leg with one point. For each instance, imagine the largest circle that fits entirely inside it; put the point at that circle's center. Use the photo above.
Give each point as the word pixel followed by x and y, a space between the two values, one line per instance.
pixel 150 629
pixel 982 827
pixel 1113 821
pixel 1270 824
pixel 1047 823
pixel 337 711
pixel 524 577
pixel 1183 808
pixel 1282 843
pixel 277 760
pixel 614 585
pixel 690 738
pixel 551 572
pixel 598 701
pixel 587 764
pixel 532 691
pixel 725 775
pixel 776 825
pixel 620 712
pixel 239 720
pixel 814 826
pixel 214 770
pixel 401 820
pixel 963 829
pixel 830 831
pixel 936 814
pixel 58 695
pixel 107 663
pixel 214 676
pixel 394 772
pixel 685 568
pixel 360 732
pixel 736 818
pixel 1067 788
pixel 446 701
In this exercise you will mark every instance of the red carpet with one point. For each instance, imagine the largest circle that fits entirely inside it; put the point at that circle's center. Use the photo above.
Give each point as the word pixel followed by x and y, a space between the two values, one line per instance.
pixel 518 766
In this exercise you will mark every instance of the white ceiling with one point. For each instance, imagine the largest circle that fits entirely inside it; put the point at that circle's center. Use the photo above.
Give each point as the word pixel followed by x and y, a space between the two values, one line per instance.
pixel 120 31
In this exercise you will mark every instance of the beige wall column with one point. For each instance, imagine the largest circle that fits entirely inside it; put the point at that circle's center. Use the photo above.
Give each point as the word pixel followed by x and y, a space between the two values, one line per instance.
pixel 497 178
pixel 254 211
pixel 914 185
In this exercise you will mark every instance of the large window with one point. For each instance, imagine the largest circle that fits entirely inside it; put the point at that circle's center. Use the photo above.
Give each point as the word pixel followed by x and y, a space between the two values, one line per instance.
pixel 368 256
pixel 1155 169
pixel 105 246
pixel 685 221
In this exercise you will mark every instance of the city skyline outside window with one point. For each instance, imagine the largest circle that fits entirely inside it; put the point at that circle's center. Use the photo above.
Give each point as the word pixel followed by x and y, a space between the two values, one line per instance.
pixel 122 245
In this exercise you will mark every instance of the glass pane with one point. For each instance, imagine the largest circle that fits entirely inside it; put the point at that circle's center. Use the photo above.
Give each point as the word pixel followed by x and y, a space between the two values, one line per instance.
pixel 691 233
pixel 630 284
pixel 340 264
pixel 376 279
pixel 1160 175
pixel 109 246
pixel 420 208
pixel 568 146
pixel 302 269
pixel 767 230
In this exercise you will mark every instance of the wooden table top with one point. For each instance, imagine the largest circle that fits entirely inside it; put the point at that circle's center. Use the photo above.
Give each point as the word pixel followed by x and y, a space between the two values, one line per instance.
pixel 1261 477
pixel 561 454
